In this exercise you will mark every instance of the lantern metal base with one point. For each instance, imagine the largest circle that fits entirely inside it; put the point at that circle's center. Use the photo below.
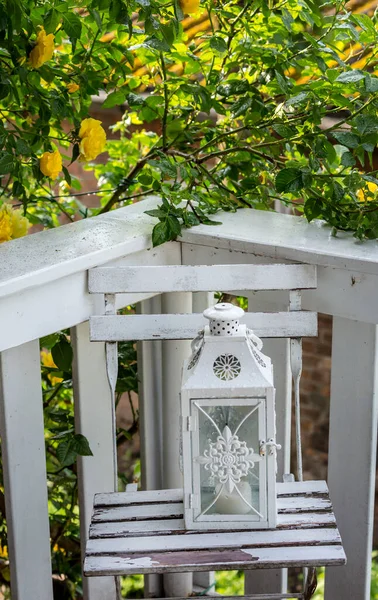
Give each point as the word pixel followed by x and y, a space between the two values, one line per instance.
pixel 144 532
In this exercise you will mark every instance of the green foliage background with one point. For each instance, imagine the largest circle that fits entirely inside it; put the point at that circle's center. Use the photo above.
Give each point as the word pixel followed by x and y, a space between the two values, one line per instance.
pixel 242 109
pixel 272 100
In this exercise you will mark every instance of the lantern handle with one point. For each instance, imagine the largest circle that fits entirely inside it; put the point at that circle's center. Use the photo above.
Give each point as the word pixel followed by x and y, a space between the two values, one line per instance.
pixel 197 342
pixel 254 339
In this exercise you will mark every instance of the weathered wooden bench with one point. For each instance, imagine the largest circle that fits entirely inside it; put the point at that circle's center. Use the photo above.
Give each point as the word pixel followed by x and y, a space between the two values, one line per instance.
pixel 143 532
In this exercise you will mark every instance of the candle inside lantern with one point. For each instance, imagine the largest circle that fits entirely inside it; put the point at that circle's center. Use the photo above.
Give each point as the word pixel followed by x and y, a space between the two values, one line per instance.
pixel 231 503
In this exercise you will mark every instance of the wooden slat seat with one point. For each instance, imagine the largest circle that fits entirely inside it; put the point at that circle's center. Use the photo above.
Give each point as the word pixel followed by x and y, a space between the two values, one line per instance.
pixel 143 532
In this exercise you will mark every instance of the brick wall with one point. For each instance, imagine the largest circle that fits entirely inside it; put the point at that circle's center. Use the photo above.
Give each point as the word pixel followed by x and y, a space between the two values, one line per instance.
pixel 315 394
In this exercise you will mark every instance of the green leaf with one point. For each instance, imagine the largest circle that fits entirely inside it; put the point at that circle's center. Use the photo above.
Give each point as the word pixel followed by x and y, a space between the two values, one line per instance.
pixel 297 99
pixel 233 87
pixel 346 138
pixel 241 106
pixel 160 233
pixel 312 208
pixel 51 20
pixel 338 191
pixel 5 88
pixel 135 99
pixel 366 124
pixel 290 180
pixel 178 11
pixel 72 25
pixel 115 98
pixel 67 176
pixel 166 168
pixel 174 226
pixel 218 44
pixel 283 83
pixel 48 341
pixel 157 44
pixel 75 153
pixel 350 76
pixel 6 164
pixel 371 83
pixel 206 221
pixel 169 32
pixel 62 354
pixel 348 160
pixel 22 147
pixel 156 212
pixel 66 453
pixel 332 74
pixel 96 18
pixel 18 189
pixel 284 130
pixel 81 445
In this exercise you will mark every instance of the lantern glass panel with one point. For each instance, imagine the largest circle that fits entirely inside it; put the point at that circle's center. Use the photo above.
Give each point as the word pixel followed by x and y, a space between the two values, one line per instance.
pixel 227 466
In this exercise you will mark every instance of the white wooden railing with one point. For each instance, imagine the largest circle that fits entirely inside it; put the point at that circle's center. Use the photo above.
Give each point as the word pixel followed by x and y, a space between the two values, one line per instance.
pixel 43 288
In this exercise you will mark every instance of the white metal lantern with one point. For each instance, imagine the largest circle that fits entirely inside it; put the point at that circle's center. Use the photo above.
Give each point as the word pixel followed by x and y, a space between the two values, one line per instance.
pixel 228 427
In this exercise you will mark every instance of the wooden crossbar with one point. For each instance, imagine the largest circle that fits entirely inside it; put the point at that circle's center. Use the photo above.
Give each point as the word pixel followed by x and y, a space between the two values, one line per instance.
pixel 180 278
pixel 116 328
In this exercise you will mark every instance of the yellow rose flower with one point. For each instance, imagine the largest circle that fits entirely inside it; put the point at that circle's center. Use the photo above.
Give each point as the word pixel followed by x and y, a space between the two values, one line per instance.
pixel 50 164
pixel 72 88
pixel 93 139
pixel 362 195
pixel 20 224
pixel 13 224
pixel 43 49
pixel 87 125
pixel 5 225
pixel 47 361
pixel 189 7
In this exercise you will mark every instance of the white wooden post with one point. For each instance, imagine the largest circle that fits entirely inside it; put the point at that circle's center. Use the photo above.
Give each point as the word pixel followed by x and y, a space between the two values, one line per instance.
pixel 352 453
pixel 272 581
pixel 150 403
pixel 150 423
pixel 24 464
pixel 173 354
pixel 93 418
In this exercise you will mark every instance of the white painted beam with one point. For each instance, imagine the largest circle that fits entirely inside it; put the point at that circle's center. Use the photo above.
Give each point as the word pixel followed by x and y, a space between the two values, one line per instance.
pixel 93 418
pixel 357 289
pixel 186 326
pixel 25 480
pixel 65 302
pixel 114 280
pixel 56 253
pixel 287 237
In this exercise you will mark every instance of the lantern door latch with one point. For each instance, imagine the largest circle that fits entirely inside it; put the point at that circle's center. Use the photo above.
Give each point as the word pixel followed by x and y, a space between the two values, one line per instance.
pixel 189 423
pixel 193 501
pixel 270 446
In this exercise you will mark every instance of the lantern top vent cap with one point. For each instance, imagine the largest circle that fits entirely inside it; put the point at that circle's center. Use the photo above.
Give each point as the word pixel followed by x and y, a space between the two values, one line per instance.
pixel 224 318
pixel 224 311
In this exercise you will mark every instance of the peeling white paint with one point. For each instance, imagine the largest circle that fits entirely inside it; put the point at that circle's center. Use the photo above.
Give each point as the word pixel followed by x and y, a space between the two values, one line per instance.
pixel 143 562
